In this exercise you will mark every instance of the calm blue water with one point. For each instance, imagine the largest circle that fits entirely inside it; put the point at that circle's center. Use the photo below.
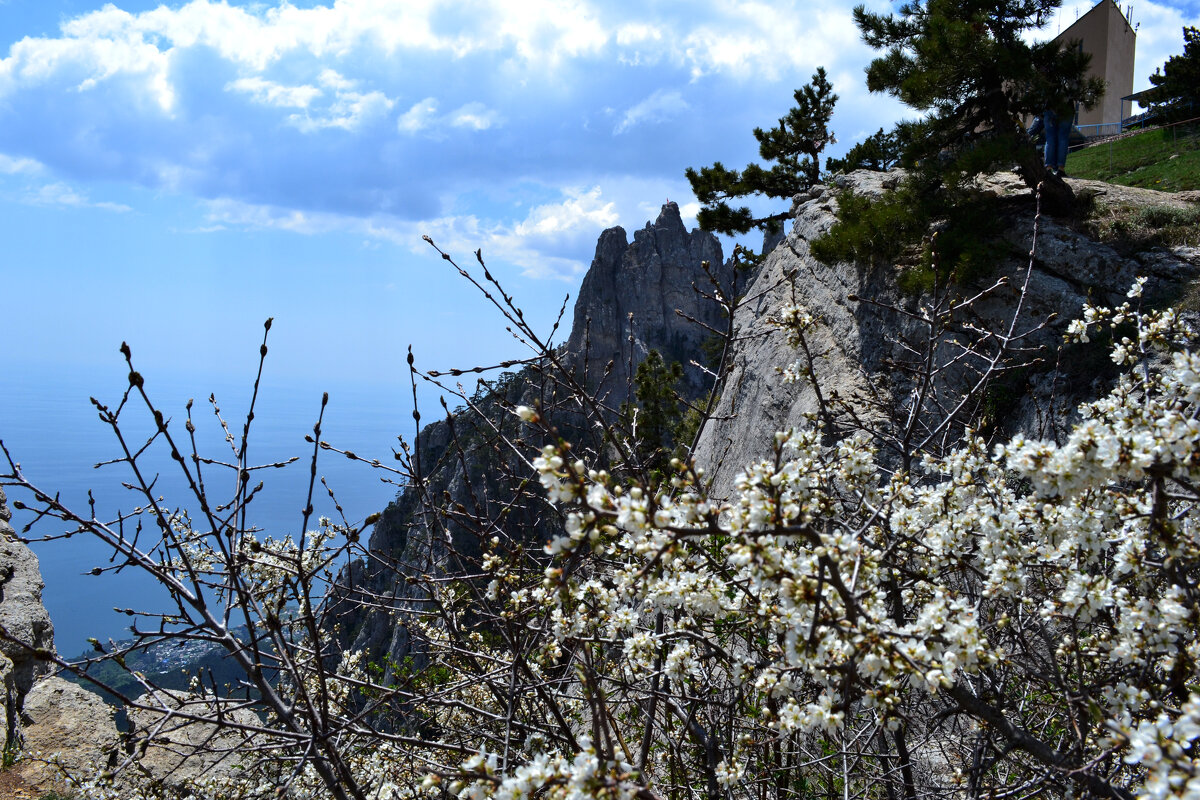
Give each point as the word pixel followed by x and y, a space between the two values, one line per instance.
pixel 50 427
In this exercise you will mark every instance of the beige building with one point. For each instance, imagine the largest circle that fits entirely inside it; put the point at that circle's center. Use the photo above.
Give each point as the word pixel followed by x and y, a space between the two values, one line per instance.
pixel 1105 32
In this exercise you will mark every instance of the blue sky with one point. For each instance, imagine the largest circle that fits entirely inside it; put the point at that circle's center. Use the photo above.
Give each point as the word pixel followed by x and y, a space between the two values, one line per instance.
pixel 174 174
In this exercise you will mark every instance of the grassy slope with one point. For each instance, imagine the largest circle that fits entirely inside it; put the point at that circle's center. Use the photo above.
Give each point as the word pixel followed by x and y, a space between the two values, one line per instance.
pixel 1144 160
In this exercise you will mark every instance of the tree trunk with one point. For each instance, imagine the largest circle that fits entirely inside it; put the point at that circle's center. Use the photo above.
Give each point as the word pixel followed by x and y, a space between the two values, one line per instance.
pixel 1058 199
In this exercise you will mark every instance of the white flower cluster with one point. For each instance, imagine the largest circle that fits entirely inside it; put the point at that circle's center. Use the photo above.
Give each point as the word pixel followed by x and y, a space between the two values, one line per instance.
pixel 1166 746
pixel 826 588
pixel 1047 592
pixel 549 775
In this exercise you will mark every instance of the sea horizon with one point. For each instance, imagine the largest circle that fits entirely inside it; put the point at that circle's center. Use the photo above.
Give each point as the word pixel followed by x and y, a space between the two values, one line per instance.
pixel 50 427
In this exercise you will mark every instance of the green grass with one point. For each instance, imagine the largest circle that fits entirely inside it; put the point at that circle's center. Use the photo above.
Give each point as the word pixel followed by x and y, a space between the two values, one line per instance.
pixel 1167 159
pixel 1133 229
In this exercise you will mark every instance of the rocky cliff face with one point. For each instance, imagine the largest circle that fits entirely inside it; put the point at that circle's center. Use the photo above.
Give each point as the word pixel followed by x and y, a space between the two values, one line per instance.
pixel 859 342
pixel 626 307
pixel 857 345
pixel 67 731
pixel 24 617
pixel 628 301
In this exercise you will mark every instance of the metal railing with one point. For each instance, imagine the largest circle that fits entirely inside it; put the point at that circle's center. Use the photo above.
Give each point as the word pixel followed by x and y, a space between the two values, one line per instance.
pixel 1100 130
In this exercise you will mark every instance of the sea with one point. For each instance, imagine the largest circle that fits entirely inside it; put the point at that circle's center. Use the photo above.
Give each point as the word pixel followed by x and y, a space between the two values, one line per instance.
pixel 49 426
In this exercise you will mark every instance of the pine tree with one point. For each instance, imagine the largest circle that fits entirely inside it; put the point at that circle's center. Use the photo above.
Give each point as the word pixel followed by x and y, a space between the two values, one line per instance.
pixel 795 146
pixel 657 412
pixel 966 65
pixel 1176 92
pixel 878 152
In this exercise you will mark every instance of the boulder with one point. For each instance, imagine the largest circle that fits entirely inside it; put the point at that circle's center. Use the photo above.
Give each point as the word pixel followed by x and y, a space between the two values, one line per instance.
pixel 174 751
pixel 68 731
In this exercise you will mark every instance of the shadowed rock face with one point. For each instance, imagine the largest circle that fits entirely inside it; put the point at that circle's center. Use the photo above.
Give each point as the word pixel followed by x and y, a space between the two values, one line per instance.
pixel 24 617
pixel 857 341
pixel 649 279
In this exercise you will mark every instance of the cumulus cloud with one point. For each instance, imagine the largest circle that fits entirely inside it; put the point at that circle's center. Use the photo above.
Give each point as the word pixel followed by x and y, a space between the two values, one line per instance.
pixel 420 116
pixel 658 107
pixel 225 212
pixel 348 111
pixel 580 209
pixel 423 117
pixel 475 116
pixel 11 165
pixel 274 94
pixel 60 194
pixel 383 116
pixel 552 240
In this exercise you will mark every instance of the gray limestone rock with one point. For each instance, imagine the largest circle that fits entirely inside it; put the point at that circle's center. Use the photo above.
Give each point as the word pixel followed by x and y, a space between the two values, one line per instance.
pixel 24 618
pixel 632 292
pixel 177 752
pixel 627 306
pixel 68 731
pixel 855 341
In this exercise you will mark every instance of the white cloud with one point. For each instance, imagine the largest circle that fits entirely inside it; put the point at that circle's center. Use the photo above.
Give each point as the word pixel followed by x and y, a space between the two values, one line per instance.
pixel 380 110
pixel 658 107
pixel 638 33
pixel 224 212
pixel 424 117
pixel 535 244
pixel 97 55
pixel 747 40
pixel 475 116
pixel 332 79
pixel 10 165
pixel 580 210
pixel 270 93
pixel 419 117
pixel 348 111
pixel 60 194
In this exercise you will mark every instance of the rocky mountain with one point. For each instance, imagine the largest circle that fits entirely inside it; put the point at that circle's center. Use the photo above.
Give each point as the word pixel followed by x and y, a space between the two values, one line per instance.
pixel 629 298
pixel 865 321
pixel 472 472
pixel 638 296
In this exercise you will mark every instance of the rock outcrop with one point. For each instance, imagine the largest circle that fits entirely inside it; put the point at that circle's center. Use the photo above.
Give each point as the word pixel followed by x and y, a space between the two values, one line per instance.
pixel 178 753
pixel 858 341
pixel 629 298
pixel 626 307
pixel 64 732
pixel 856 345
pixel 68 731
pixel 23 617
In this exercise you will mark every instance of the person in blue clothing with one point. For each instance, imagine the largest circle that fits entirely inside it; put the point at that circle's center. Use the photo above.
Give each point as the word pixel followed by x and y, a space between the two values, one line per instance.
pixel 1056 122
pixel 1059 95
